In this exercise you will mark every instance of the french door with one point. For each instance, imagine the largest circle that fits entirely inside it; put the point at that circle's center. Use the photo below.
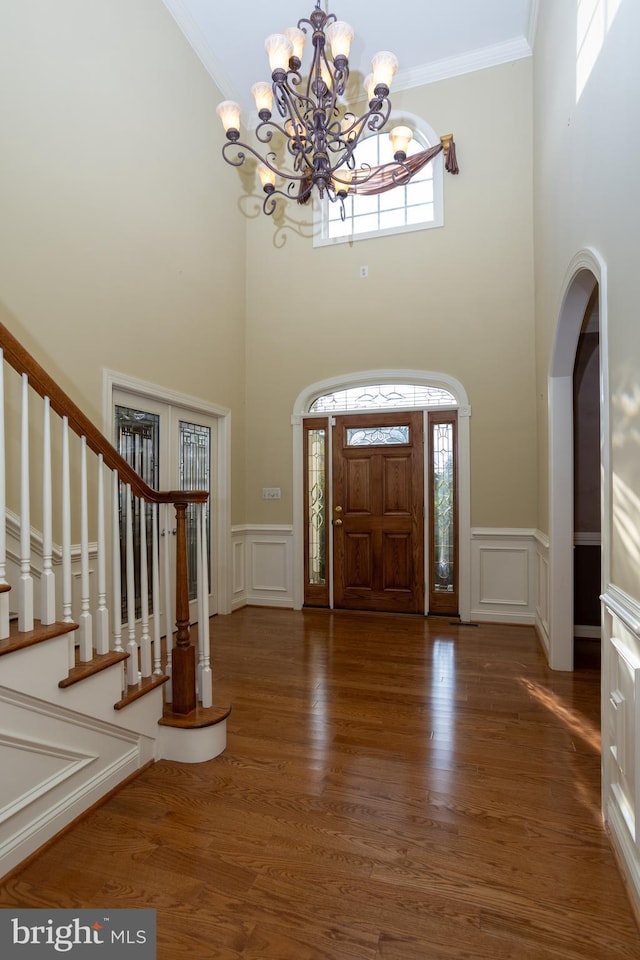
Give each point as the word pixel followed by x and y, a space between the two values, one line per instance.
pixel 370 479
pixel 172 449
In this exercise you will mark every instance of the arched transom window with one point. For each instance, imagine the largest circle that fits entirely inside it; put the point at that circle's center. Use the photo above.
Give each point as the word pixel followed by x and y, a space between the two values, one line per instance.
pixel 383 395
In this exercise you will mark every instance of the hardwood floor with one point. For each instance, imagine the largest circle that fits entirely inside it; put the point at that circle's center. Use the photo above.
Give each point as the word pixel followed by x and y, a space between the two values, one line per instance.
pixel 393 789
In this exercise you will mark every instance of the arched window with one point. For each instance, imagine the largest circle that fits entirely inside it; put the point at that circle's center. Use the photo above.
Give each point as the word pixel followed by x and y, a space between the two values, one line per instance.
pixel 376 396
pixel 415 206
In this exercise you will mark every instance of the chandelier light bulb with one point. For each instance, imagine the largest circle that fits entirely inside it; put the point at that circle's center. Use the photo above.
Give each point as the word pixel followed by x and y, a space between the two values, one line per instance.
pixel 384 66
pixel 262 93
pixel 267 178
pixel 340 36
pixel 369 86
pixel 279 50
pixel 341 180
pixel 297 39
pixel 229 113
pixel 400 138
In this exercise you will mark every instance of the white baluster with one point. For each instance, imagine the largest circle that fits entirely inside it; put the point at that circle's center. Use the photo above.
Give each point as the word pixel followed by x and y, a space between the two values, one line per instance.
pixel 86 621
pixel 132 646
pixel 47 580
pixel 102 612
pixel 145 639
pixel 4 596
pixel 155 593
pixel 206 679
pixel 25 590
pixel 116 569
pixel 66 540
pixel 168 599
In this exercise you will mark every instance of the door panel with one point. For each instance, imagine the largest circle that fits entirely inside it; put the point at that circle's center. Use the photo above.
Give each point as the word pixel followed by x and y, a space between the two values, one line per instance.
pixel 378 512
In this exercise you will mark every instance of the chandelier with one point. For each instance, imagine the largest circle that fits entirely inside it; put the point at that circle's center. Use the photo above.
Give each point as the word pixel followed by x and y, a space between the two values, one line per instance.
pixel 316 134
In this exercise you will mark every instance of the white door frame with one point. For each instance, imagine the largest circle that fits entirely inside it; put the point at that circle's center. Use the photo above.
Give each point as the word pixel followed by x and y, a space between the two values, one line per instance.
pixel 585 271
pixel 423 377
pixel 112 381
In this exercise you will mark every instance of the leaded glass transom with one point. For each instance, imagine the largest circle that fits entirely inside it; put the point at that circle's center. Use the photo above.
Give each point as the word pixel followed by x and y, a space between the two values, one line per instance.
pixel 376 436
pixel 381 395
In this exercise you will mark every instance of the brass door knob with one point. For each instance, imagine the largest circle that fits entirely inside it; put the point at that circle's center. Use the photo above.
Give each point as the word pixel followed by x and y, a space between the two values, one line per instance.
pixel 338 509
pixel 338 522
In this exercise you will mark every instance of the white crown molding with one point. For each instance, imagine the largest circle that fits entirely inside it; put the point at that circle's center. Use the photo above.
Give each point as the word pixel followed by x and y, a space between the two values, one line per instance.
pixel 532 25
pixel 199 44
pixel 493 56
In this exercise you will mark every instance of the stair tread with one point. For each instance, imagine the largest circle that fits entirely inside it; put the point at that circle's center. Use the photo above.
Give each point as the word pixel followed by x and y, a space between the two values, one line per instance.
pixel 200 717
pixel 89 668
pixel 138 690
pixel 18 640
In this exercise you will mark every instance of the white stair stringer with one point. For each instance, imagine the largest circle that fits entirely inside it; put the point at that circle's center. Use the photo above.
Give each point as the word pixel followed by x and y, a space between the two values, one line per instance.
pixel 38 669
pixel 55 767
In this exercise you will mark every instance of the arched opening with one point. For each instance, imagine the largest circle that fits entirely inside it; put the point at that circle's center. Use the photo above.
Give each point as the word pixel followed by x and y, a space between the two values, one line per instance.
pixel 584 290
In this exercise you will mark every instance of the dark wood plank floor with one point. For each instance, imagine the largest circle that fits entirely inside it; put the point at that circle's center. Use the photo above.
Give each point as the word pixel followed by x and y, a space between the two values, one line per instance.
pixel 393 789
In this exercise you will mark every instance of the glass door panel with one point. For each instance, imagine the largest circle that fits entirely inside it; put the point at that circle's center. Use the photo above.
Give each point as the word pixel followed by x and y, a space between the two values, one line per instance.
pixel 172 449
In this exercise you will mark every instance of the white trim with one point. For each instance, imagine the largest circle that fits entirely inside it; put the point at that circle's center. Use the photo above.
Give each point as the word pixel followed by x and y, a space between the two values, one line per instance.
pixel 424 377
pixel 198 41
pixel 492 56
pixel 263 565
pixel 532 25
pixel 584 539
pixel 112 380
pixel 504 576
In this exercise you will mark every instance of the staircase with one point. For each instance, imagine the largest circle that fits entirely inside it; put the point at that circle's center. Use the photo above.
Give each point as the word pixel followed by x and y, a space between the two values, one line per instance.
pixel 97 678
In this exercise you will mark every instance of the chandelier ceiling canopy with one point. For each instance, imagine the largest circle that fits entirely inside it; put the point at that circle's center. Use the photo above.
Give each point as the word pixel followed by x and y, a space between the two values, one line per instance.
pixel 308 137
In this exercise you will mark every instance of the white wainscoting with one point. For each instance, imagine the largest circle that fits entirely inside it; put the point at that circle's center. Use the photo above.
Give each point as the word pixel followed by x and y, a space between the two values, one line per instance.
pixel 262 565
pixel 621 731
pixel 503 571
pixel 503 575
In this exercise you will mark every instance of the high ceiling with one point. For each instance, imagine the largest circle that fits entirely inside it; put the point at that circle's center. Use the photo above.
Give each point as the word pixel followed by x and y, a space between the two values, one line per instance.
pixel 432 39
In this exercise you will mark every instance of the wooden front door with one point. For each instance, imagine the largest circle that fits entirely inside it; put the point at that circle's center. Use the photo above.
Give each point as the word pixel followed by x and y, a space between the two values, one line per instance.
pixel 378 512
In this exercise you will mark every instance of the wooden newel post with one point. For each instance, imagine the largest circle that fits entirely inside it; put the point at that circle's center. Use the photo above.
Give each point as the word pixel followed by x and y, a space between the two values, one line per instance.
pixel 183 656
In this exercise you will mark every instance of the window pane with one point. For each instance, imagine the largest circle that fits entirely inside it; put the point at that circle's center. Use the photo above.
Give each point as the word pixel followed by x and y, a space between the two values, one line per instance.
pixel 376 436
pixel 443 507
pixel 383 395
pixel 137 435
pixel 392 218
pixel 393 200
pixel 365 224
pixel 420 192
pixel 194 474
pixel 316 505
pixel 421 214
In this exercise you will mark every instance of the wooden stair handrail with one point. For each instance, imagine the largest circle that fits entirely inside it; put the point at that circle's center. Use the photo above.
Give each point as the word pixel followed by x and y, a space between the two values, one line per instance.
pixel 22 362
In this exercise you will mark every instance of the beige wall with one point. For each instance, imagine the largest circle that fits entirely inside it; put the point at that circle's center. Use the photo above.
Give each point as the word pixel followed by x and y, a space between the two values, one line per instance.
pixel 457 300
pixel 117 248
pixel 588 195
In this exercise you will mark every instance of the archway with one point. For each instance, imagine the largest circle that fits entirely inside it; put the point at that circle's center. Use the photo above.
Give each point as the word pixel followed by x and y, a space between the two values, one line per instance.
pixel 586 272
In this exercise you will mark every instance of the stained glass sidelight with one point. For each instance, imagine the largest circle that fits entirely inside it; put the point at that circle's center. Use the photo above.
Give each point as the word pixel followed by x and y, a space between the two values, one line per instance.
pixel 443 507
pixel 316 505
pixel 194 445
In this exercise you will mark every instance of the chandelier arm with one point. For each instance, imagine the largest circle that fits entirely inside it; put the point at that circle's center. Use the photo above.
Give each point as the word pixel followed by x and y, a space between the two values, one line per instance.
pixel 241 157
